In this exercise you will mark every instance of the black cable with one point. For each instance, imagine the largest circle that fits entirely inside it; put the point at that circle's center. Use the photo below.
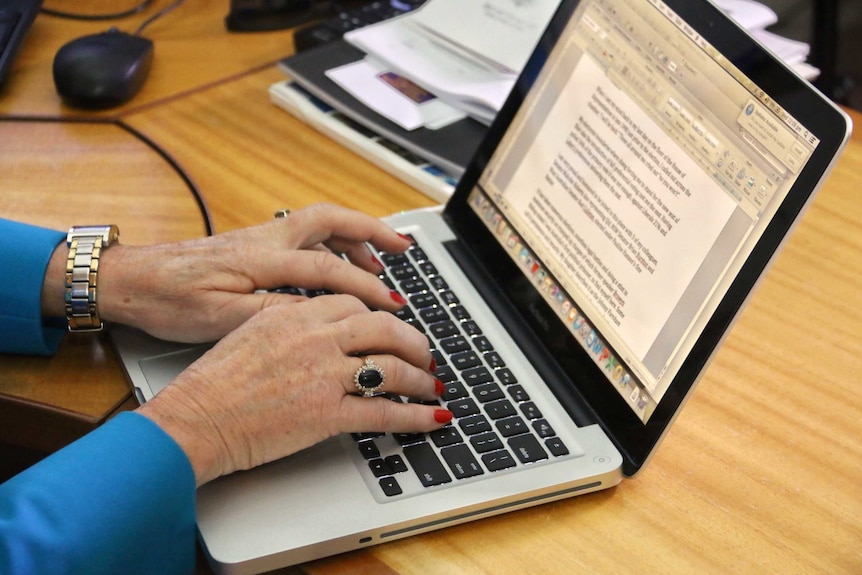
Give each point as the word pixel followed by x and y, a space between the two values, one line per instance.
pixel 205 213
pixel 158 15
pixel 196 194
pixel 143 5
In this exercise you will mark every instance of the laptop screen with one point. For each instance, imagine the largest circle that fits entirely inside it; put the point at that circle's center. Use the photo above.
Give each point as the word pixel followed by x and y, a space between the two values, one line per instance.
pixel 634 182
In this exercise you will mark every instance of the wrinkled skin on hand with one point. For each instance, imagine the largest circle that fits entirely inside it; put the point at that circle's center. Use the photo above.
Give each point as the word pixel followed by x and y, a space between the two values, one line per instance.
pixel 283 381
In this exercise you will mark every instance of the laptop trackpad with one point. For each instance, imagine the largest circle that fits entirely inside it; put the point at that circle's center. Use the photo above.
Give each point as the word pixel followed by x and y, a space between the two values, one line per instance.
pixel 160 370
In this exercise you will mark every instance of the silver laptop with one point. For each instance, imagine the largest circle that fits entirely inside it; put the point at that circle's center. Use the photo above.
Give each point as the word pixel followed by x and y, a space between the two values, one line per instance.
pixel 645 170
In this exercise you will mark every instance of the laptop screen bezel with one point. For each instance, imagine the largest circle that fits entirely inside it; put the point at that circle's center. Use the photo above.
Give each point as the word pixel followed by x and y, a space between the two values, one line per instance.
pixel 637 440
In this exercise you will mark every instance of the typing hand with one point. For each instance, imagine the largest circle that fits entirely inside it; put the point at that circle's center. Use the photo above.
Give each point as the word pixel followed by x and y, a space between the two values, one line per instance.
pixel 200 290
pixel 285 380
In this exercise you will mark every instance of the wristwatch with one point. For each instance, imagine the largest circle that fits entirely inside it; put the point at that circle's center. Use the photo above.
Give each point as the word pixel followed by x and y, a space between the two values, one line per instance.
pixel 82 275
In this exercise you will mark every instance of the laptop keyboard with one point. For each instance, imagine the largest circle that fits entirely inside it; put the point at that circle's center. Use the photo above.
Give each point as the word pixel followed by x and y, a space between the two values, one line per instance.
pixel 496 425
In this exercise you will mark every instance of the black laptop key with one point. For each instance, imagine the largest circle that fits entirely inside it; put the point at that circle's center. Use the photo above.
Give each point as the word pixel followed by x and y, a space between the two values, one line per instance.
pixel 482 344
pixel 405 314
pixel 463 407
pixel 476 376
pixel 409 438
pixel 485 442
pixel 426 464
pixel 530 411
pixel 494 361
pixel 488 392
pixel 500 409
pixel 396 464
pixel 366 435
pixel 527 449
pixel 445 373
pixel 413 285
pixel 425 299
pixel 394 259
pixel 433 314
pixel 471 328
pixel 443 329
pixel 454 344
pixel 543 428
pixel 445 436
pixel 505 376
pixel 556 446
pixel 518 393
pixel 460 313
pixel 390 486
pixel 449 298
pixel 439 358
pixel 474 425
pixel 460 460
pixel 498 460
pixel 368 449
pixel 403 272
pixel 379 467
pixel 512 426
pixel 453 390
pixel 428 269
pixel 418 254
pixel 465 360
pixel 439 283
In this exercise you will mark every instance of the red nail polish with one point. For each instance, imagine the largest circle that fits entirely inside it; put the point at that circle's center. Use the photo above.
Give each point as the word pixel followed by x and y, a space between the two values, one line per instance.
pixel 433 367
pixel 397 298
pixel 442 416
pixel 403 237
pixel 439 388
pixel 376 261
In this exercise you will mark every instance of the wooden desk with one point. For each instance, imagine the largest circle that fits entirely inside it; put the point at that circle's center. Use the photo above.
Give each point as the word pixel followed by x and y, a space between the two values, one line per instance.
pixel 762 472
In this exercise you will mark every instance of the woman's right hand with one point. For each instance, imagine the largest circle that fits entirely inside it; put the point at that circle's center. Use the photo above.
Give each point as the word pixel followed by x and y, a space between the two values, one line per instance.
pixel 284 380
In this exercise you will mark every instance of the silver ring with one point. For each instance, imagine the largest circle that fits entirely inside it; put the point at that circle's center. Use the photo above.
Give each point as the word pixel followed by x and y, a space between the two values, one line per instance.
pixel 282 213
pixel 369 378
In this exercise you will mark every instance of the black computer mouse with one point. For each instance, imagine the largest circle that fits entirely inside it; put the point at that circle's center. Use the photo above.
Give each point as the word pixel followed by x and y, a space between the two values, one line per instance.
pixel 102 70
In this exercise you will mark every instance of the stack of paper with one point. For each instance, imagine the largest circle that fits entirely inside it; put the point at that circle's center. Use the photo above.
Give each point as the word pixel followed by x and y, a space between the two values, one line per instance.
pixel 446 61
pixel 755 17
pixel 446 58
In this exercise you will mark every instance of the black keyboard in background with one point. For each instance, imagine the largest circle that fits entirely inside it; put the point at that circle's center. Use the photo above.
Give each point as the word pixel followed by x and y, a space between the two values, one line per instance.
pixel 335 27
pixel 16 17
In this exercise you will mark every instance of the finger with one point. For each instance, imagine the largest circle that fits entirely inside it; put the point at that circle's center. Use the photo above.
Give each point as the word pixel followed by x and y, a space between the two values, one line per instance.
pixel 360 414
pixel 336 226
pixel 383 333
pixel 362 257
pixel 322 270
pixel 374 374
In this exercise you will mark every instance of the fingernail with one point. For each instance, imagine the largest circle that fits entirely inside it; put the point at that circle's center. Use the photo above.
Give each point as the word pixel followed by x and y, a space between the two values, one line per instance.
pixel 433 367
pixel 397 297
pixel 439 388
pixel 376 261
pixel 442 416
pixel 403 237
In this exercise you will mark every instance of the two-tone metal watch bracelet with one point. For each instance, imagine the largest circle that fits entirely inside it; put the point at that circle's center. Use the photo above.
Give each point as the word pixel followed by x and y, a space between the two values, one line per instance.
pixel 82 275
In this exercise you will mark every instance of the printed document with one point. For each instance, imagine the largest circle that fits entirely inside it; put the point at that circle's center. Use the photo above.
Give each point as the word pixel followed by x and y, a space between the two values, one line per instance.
pixel 466 52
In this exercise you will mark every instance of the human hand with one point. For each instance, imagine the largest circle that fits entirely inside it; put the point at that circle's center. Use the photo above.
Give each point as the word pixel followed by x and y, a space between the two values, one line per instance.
pixel 200 290
pixel 283 381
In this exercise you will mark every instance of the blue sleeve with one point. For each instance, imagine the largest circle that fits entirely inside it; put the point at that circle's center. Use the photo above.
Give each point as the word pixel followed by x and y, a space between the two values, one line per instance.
pixel 119 500
pixel 24 257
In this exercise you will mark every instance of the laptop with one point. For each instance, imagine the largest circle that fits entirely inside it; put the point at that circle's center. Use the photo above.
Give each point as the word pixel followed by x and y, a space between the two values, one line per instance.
pixel 643 173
